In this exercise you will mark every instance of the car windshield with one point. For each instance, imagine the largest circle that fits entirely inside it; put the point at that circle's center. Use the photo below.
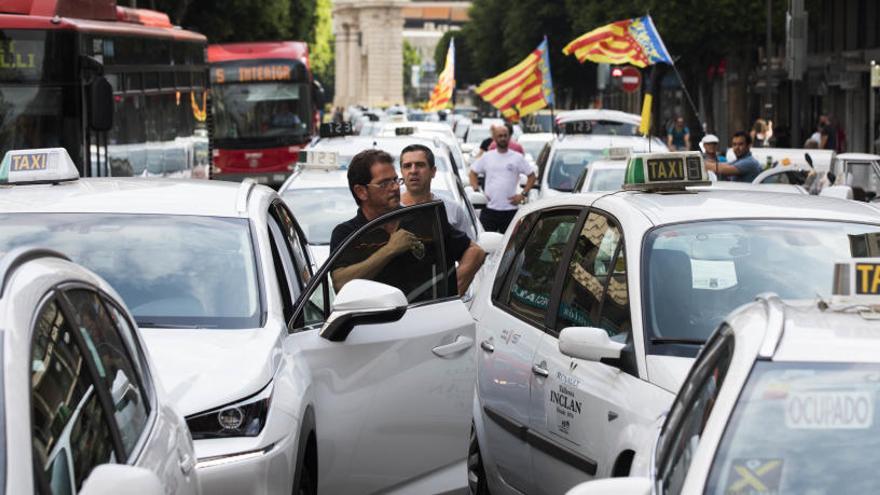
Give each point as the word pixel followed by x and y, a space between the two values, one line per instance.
pixel 791 420
pixel 863 175
pixel 251 110
pixel 319 210
pixel 567 166
pixel 699 272
pixel 606 179
pixel 171 271
pixel 476 135
pixel 533 147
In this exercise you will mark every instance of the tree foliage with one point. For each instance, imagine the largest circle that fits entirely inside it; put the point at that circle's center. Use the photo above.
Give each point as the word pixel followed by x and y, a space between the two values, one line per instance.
pixel 321 47
pixel 411 57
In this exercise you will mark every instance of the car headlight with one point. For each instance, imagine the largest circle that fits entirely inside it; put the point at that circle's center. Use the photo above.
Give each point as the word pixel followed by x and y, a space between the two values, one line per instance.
pixel 241 419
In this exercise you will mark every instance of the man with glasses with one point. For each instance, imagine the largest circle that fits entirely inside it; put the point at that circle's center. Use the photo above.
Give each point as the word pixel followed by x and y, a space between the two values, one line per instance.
pixel 375 186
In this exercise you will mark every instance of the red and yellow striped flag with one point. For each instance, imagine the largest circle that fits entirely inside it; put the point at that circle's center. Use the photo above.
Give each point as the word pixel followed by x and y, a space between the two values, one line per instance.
pixel 630 41
pixel 520 90
pixel 441 97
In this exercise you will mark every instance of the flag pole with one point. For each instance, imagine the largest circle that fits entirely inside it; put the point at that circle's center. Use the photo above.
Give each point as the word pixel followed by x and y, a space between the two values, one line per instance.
pixel 688 95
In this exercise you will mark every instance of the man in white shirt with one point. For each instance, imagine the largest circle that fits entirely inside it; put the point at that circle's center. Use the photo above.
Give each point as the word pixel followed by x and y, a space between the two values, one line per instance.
pixel 418 169
pixel 501 168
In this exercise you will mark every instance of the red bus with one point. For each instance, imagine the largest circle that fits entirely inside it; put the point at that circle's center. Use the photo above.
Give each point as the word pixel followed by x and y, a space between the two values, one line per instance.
pixel 121 89
pixel 263 102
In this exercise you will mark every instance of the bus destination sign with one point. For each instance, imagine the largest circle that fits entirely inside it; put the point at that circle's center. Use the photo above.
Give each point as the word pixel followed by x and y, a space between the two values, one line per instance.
pixel 272 72
pixel 21 60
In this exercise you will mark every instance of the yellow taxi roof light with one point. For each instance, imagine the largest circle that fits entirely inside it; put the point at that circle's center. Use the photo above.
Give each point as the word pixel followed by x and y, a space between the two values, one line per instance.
pixel 665 171
pixel 37 166
pixel 857 281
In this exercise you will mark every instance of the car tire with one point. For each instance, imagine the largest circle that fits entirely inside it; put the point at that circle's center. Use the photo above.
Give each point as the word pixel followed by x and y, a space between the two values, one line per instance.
pixel 477 482
pixel 307 486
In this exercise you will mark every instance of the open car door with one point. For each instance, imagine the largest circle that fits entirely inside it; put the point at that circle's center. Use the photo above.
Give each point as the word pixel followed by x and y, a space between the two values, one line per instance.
pixel 390 353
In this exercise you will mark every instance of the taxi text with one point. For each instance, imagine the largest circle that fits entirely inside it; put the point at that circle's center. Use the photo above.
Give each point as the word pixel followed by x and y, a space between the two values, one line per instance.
pixel 30 161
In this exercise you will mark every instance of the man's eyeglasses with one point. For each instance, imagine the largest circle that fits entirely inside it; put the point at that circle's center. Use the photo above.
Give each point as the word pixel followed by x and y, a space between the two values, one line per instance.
pixel 388 183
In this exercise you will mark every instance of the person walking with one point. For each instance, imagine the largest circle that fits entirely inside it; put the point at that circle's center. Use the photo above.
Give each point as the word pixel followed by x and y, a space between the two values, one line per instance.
pixel 501 168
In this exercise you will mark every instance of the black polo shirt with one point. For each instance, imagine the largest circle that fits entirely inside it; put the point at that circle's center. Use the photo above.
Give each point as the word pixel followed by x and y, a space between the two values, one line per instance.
pixel 405 271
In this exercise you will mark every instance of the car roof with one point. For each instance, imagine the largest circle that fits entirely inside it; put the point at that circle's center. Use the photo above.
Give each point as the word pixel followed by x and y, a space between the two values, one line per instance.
pixel 608 165
pixel 708 204
pixel 308 179
pixel 126 195
pixel 542 137
pixel 811 334
pixel 601 142
pixel 391 144
pixel 599 114
pixel 858 156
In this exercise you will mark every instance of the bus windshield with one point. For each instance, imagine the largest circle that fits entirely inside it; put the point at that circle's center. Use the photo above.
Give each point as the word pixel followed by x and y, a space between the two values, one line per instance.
pixel 256 111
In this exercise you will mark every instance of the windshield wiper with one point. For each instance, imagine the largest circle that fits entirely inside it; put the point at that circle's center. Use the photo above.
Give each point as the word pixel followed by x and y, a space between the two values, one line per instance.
pixel 150 324
pixel 677 341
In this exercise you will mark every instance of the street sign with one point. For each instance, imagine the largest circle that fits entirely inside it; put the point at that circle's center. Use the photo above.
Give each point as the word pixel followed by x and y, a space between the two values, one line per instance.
pixel 631 80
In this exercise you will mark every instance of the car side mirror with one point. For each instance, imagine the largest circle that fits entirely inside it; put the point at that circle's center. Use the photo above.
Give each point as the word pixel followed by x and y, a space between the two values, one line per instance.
pixel 363 302
pixel 616 486
pixel 589 343
pixel 490 241
pixel 100 104
pixel 107 479
pixel 477 198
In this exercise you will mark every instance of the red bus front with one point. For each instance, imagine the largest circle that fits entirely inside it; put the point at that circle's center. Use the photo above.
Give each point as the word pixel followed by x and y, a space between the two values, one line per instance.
pixel 262 104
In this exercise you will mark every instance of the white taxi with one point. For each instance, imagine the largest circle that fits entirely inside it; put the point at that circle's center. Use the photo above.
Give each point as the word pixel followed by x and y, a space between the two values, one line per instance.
pixel 605 174
pixel 280 396
pixel 783 399
pixel 317 190
pixel 82 410
pixel 564 159
pixel 600 302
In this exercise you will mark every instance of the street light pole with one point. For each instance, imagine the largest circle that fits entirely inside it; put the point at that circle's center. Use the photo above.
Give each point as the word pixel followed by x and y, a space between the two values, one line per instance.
pixel 768 104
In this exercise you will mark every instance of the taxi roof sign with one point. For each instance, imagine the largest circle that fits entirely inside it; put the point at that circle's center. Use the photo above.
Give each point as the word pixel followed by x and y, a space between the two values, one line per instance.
pixel 335 129
pixel 618 153
pixel 665 171
pixel 320 160
pixel 37 166
pixel 857 281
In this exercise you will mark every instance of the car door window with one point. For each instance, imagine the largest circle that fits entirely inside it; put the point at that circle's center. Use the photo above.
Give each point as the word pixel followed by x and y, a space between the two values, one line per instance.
pixel 589 273
pixel 536 264
pixel 114 365
pixel 295 243
pixel 285 270
pixel 521 230
pixel 70 433
pixel 687 418
pixel 420 269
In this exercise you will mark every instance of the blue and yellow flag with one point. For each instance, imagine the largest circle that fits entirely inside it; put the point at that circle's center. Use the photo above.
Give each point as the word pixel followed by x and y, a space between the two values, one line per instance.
pixel 523 89
pixel 630 41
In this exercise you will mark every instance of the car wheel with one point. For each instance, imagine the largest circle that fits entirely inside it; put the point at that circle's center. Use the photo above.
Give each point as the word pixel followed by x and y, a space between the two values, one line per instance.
pixel 477 483
pixel 307 486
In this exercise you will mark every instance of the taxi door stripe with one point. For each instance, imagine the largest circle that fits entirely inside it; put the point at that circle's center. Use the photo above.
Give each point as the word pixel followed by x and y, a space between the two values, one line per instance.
pixel 542 443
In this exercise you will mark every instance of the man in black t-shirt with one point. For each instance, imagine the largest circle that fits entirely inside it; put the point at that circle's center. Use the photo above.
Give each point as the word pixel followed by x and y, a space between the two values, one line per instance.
pixel 393 252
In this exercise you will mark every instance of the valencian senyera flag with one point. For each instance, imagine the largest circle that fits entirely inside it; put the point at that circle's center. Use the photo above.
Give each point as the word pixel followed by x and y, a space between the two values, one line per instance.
pixel 523 89
pixel 631 41
pixel 441 97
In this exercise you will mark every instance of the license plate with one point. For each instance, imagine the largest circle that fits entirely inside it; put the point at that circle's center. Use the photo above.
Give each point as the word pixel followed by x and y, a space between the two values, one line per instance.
pixel 829 410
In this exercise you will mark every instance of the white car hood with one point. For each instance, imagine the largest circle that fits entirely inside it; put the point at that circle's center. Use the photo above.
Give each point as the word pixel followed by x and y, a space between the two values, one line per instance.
pixel 668 372
pixel 203 369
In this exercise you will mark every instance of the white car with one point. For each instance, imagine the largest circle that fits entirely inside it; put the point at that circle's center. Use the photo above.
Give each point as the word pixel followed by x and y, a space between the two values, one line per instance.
pixel 782 400
pixel 437 131
pixel 533 144
pixel 600 302
pixel 279 395
pixel 567 155
pixel 317 191
pixel 82 410
pixel 604 175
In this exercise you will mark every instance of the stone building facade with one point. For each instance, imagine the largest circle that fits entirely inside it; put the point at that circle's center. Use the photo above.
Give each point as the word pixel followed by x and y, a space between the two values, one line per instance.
pixel 369 52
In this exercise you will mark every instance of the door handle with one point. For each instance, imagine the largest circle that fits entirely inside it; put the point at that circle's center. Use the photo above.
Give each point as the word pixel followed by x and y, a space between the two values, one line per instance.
pixel 458 345
pixel 540 370
pixel 186 462
pixel 487 346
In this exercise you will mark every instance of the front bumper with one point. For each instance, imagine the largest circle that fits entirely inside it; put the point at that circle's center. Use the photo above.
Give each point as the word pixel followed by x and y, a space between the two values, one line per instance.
pixel 269 178
pixel 246 470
